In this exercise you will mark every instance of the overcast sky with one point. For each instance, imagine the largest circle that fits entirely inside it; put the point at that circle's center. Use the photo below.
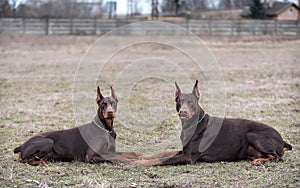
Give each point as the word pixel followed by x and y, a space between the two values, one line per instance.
pixel 144 5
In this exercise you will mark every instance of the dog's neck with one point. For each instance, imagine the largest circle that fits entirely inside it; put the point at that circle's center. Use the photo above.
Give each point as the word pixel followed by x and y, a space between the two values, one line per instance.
pixel 201 114
pixel 107 125
pixel 193 124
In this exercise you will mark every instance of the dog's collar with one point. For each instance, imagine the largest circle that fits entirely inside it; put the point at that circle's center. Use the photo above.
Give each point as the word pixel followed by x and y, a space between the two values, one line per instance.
pixel 101 127
pixel 201 118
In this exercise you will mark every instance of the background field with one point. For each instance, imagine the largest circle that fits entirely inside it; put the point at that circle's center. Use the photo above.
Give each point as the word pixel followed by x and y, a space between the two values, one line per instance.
pixel 262 80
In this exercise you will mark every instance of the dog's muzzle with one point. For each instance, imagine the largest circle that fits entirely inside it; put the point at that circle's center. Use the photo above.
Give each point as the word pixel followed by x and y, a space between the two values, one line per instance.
pixel 110 114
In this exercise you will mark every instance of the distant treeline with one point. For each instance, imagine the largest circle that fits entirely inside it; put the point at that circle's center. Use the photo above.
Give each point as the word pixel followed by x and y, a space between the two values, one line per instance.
pixel 97 9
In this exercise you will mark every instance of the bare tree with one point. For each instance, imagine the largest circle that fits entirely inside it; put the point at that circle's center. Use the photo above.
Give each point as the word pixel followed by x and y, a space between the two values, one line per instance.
pixel 241 3
pixel 30 8
pixel 199 5
pixel 154 11
pixel 5 8
pixel 13 6
pixel 180 7
pixel 167 6
pixel 226 4
pixel 60 9
pixel 232 4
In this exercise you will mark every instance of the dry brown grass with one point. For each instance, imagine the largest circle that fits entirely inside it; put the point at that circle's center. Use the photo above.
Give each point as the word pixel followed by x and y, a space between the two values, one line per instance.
pixel 262 79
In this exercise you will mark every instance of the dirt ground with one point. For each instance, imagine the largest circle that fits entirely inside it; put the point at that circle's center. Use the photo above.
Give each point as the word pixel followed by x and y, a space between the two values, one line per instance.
pixel 45 87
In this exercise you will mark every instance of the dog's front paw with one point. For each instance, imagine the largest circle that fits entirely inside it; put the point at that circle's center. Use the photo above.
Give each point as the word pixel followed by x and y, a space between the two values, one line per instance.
pixel 142 163
pixel 145 157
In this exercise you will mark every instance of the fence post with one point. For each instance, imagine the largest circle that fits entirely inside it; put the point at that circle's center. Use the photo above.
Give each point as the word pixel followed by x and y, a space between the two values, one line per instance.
pixel 275 28
pixel 266 28
pixel 210 27
pixel 47 25
pixel 71 26
pixel 187 27
pixel 238 27
pixel 95 26
pixel 298 29
pixel 187 22
pixel 231 28
pixel 254 27
pixel 24 25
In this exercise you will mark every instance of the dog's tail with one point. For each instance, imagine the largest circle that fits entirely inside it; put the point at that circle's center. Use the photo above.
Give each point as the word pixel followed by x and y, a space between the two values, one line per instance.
pixel 17 149
pixel 287 146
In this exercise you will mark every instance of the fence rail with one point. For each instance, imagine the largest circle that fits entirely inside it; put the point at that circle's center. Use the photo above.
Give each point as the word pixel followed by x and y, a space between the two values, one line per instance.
pixel 102 26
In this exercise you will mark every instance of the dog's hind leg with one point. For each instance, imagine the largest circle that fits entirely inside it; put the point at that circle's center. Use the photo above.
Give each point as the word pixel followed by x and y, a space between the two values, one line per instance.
pixel 268 143
pixel 37 149
pixel 252 153
pixel 34 161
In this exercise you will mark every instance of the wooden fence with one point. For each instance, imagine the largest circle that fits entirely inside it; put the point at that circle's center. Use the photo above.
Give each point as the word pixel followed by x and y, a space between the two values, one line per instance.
pixel 102 26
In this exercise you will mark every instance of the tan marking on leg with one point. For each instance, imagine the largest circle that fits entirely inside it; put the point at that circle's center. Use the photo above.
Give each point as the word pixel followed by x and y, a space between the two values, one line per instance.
pixel 284 150
pixel 43 163
pixel 262 160
pixel 147 162
pixel 20 157
pixel 39 163
pixel 158 155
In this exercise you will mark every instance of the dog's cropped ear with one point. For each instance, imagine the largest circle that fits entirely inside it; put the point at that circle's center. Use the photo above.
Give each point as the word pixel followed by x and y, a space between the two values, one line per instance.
pixel 196 91
pixel 177 92
pixel 99 95
pixel 113 94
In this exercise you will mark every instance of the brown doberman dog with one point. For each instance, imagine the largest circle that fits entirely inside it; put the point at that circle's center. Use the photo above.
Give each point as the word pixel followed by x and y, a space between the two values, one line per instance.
pixel 93 142
pixel 235 139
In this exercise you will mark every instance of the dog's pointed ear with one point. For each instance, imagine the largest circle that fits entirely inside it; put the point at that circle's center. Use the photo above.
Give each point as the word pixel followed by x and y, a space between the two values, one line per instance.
pixel 196 91
pixel 99 95
pixel 113 94
pixel 177 92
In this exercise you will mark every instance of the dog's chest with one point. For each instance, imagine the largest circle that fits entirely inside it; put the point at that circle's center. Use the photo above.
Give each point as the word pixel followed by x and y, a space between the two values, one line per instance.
pixel 97 139
pixel 107 145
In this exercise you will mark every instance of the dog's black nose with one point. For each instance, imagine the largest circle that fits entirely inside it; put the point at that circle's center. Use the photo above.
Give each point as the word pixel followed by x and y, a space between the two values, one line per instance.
pixel 183 112
pixel 110 113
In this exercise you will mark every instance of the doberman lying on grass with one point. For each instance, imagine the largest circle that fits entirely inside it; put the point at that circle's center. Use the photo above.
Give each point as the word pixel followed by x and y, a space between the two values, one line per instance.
pixel 235 139
pixel 93 142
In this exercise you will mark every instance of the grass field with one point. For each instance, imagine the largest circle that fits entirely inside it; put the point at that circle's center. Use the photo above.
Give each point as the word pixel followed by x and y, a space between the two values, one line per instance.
pixel 262 82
